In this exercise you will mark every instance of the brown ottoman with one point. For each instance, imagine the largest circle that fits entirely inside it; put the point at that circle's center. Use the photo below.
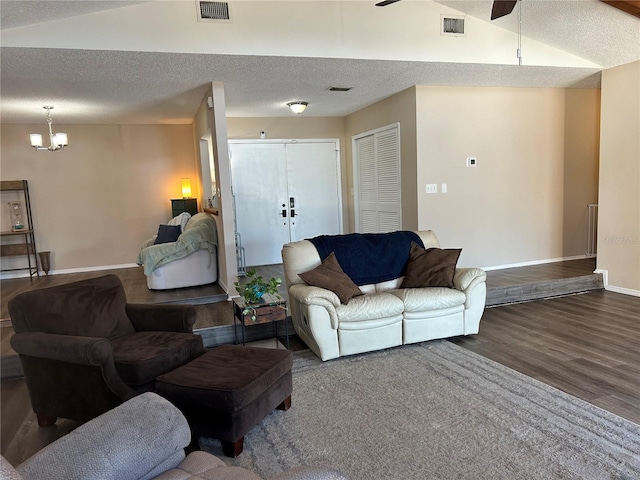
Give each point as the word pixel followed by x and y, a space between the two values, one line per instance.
pixel 227 391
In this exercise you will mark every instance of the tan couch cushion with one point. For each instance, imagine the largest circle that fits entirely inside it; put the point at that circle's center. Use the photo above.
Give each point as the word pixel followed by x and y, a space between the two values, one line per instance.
pixel 431 298
pixel 370 307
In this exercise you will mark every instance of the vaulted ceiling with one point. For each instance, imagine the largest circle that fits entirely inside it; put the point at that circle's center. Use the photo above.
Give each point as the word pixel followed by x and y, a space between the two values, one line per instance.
pixel 151 61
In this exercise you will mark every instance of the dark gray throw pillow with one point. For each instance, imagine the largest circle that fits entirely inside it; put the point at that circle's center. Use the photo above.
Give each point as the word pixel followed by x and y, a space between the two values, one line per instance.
pixel 329 275
pixel 433 267
pixel 167 234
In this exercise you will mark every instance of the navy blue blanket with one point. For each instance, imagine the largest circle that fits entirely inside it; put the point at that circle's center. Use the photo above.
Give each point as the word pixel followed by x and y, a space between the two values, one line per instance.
pixel 369 257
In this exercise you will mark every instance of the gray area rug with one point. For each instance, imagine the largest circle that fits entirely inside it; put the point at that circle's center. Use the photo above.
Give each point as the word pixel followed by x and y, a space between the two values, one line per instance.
pixel 436 411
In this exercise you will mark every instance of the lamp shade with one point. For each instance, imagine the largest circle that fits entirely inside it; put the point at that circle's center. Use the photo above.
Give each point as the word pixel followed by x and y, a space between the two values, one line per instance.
pixel 36 140
pixel 186 188
pixel 61 139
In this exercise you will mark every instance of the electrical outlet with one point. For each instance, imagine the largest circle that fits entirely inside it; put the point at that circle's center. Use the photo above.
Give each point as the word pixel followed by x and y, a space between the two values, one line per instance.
pixel 472 161
pixel 432 188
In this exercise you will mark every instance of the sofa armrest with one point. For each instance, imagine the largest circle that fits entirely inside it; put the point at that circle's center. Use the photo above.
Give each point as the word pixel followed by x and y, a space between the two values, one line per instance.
pixel 148 242
pixel 310 295
pixel 465 279
pixel 65 348
pixel 7 471
pixel 73 350
pixel 161 318
pixel 136 440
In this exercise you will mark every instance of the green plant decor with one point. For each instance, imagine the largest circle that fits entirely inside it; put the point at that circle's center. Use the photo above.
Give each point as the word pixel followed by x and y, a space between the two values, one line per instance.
pixel 253 290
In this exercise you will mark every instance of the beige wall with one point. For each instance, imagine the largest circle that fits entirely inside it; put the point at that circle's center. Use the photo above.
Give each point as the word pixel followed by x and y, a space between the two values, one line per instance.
pixel 95 202
pixel 210 124
pixel 581 157
pixel 399 108
pixel 509 209
pixel 619 193
pixel 286 128
pixel 524 202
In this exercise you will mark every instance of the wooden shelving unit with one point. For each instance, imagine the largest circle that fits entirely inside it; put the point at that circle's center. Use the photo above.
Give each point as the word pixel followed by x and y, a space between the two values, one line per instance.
pixel 20 243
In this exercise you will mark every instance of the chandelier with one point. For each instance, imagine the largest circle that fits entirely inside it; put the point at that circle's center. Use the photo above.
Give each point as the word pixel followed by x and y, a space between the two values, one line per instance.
pixel 57 140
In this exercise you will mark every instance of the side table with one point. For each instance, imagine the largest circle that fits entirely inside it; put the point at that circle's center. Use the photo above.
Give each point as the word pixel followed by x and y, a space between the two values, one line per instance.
pixel 270 310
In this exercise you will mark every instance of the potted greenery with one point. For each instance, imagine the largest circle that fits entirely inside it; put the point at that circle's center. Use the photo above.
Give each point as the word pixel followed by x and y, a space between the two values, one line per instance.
pixel 252 291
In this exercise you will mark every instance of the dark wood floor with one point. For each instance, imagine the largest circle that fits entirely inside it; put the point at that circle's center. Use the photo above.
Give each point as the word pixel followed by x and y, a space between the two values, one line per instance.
pixel 507 277
pixel 587 345
pixel 133 279
pixel 135 286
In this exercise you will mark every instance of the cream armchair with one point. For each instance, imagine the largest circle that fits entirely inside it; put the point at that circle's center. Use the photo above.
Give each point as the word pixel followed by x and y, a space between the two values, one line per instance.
pixel 189 261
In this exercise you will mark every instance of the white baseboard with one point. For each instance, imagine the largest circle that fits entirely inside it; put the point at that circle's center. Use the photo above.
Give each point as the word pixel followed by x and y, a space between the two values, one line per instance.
pixel 25 274
pixel 535 262
pixel 623 290
pixel 614 288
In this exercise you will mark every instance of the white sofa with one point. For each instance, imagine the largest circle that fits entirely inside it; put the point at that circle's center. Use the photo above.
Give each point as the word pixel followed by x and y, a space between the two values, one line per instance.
pixel 386 315
pixel 190 261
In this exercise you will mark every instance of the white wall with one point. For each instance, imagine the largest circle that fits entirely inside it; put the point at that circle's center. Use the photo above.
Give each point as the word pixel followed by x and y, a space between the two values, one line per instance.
pixel 346 29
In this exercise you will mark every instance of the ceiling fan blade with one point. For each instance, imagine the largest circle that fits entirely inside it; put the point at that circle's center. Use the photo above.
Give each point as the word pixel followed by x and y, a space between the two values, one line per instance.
pixel 384 3
pixel 502 8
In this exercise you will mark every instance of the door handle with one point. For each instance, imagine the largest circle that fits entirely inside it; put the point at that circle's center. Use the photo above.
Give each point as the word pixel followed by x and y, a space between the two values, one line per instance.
pixel 293 212
pixel 284 213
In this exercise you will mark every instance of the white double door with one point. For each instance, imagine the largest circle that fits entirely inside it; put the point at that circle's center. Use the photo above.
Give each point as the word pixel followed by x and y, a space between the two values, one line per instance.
pixel 284 191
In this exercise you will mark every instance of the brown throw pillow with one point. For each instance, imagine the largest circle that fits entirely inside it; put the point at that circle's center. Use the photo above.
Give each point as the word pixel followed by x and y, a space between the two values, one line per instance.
pixel 329 275
pixel 433 267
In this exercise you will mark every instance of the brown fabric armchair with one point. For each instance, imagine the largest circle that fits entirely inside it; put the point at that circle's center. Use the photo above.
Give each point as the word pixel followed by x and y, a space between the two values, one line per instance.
pixel 84 350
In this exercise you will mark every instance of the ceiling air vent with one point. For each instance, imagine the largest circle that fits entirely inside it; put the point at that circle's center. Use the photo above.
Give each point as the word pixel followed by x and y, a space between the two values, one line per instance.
pixel 339 89
pixel 213 11
pixel 452 25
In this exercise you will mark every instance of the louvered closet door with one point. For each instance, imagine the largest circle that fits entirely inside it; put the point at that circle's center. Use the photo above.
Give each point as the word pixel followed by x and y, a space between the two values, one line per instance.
pixel 377 168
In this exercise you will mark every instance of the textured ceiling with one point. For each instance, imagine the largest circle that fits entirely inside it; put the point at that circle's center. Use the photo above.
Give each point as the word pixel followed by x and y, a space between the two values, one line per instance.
pixel 18 13
pixel 587 28
pixel 116 86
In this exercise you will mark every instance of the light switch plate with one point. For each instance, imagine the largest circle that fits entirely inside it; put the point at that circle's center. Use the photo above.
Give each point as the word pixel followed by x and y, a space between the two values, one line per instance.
pixel 432 188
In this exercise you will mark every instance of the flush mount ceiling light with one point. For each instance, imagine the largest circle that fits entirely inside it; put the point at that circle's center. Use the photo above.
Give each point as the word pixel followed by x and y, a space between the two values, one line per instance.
pixel 57 140
pixel 297 107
